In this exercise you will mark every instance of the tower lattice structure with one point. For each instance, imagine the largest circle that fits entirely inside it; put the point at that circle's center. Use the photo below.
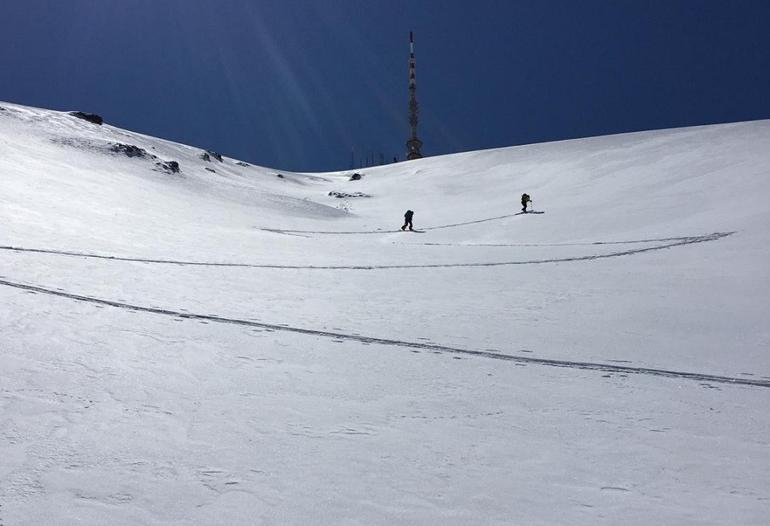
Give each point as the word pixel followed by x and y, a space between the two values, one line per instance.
pixel 414 144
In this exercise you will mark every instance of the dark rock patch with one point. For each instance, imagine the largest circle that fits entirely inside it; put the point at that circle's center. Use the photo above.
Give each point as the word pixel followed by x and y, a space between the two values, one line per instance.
pixel 90 117
pixel 75 142
pixel 279 176
pixel 356 177
pixel 169 166
pixel 208 154
pixel 130 150
pixel 344 195
pixel 241 163
pixel 211 170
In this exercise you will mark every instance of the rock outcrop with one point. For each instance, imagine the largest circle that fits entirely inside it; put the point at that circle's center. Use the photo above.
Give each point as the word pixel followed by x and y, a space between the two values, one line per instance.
pixel 208 154
pixel 130 150
pixel 90 117
pixel 169 166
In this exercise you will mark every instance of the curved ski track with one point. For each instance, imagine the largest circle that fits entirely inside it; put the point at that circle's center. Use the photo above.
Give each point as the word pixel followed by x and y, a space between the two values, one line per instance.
pixel 670 242
pixel 348 232
pixel 397 343
pixel 584 244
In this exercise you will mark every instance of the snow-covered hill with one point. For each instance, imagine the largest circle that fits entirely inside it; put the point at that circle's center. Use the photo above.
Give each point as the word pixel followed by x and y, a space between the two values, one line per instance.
pixel 232 344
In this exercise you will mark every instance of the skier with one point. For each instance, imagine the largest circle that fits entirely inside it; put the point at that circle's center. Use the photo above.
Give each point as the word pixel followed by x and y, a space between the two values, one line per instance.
pixel 524 200
pixel 408 220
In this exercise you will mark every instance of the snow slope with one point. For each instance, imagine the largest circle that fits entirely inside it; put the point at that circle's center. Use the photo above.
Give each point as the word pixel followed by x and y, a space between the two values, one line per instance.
pixel 235 347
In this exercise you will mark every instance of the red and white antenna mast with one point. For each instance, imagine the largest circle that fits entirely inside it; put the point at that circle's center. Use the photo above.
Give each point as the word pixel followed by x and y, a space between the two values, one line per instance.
pixel 414 144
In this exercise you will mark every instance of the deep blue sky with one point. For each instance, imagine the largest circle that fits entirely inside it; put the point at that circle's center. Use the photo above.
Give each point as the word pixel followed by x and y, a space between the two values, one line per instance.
pixel 298 84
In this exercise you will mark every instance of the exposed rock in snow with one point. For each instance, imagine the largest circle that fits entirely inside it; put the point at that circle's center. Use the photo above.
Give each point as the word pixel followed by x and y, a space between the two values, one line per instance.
pixel 130 150
pixel 342 195
pixel 90 117
pixel 169 166
pixel 208 154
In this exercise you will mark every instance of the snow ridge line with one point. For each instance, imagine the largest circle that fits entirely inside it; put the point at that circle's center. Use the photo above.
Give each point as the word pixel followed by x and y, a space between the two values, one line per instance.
pixel 593 366
pixel 674 243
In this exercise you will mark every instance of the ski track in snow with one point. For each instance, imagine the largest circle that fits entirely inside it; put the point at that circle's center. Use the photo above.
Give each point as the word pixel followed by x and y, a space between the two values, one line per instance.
pixel 604 367
pixel 584 244
pixel 349 232
pixel 672 242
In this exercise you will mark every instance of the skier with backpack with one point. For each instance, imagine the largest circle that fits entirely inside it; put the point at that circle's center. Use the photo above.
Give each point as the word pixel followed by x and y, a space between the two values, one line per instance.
pixel 524 200
pixel 408 220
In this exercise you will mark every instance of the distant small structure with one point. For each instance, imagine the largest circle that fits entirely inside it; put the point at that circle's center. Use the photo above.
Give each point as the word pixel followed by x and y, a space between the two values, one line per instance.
pixel 414 144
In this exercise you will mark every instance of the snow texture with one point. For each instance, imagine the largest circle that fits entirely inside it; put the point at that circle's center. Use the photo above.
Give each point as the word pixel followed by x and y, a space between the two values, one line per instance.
pixel 182 346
